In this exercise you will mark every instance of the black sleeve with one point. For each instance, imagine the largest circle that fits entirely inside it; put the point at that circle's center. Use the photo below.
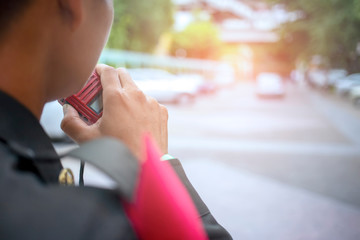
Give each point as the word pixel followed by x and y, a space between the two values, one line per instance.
pixel 211 226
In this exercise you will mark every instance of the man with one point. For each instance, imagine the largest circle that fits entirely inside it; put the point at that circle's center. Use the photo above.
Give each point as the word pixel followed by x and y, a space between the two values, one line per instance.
pixel 48 49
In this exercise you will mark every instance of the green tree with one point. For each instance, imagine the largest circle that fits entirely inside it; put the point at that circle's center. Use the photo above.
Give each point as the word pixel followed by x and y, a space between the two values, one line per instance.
pixel 138 25
pixel 199 40
pixel 328 28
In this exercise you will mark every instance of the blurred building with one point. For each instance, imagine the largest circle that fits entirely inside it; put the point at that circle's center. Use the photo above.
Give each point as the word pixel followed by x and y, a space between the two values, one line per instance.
pixel 246 27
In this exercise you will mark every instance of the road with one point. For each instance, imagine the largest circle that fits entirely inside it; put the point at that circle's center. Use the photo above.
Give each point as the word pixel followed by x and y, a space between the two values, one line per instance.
pixel 273 168
pixel 282 169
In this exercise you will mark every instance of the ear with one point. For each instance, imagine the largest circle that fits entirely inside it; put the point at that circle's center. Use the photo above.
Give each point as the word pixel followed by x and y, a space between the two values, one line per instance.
pixel 72 12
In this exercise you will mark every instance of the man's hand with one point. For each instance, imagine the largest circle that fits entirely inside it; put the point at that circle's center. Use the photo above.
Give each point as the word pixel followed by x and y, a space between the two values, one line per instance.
pixel 127 114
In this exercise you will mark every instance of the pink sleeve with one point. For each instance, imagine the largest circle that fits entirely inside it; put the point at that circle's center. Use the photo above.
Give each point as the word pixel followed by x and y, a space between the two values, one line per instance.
pixel 162 208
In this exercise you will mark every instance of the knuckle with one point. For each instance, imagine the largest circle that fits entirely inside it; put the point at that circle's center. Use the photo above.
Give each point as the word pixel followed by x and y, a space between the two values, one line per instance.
pixel 138 94
pixel 122 70
pixel 123 73
pixel 153 102
pixel 164 112
pixel 63 124
pixel 66 123
pixel 108 69
pixel 113 94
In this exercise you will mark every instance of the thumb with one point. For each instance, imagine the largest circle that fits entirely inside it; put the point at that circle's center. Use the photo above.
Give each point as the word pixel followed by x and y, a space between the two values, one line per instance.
pixel 73 125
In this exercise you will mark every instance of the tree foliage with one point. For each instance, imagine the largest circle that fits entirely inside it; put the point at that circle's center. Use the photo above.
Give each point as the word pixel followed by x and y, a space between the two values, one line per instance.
pixel 328 28
pixel 200 40
pixel 138 25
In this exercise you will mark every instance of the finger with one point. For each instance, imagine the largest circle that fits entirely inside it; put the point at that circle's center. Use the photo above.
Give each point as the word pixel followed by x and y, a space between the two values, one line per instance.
pixel 164 112
pixel 125 79
pixel 108 76
pixel 72 124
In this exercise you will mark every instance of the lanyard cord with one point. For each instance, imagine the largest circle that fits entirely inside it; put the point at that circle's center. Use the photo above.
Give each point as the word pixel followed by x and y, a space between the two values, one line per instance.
pixel 81 174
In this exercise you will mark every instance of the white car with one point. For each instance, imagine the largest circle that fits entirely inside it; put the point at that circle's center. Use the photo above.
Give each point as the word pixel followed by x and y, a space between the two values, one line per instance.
pixel 164 86
pixel 318 78
pixel 269 85
pixel 334 75
pixel 355 95
pixel 51 119
pixel 224 75
pixel 344 85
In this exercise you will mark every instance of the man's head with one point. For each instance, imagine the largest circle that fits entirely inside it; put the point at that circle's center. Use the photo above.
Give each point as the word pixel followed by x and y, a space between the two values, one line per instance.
pixel 57 42
pixel 10 10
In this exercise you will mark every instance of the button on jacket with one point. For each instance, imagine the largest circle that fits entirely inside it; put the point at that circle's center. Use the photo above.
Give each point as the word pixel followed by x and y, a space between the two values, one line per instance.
pixel 33 205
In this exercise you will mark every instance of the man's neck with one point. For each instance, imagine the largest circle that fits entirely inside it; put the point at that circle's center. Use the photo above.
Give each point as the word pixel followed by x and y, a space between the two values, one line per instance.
pixel 21 68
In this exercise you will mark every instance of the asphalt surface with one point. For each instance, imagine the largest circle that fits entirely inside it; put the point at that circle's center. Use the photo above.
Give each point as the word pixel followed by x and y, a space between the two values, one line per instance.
pixel 283 169
pixel 273 168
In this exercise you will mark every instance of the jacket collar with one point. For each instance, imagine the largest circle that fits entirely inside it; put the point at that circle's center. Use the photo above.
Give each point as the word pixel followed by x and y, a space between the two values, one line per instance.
pixel 20 128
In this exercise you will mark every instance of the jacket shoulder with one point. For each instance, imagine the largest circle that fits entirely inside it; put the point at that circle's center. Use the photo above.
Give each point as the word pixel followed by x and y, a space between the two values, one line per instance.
pixel 31 209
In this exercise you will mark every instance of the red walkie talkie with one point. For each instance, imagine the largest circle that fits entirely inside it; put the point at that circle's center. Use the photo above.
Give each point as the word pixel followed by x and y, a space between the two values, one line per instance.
pixel 88 101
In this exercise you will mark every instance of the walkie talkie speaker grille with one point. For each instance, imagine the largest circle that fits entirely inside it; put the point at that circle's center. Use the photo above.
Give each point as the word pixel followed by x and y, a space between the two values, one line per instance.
pixel 88 101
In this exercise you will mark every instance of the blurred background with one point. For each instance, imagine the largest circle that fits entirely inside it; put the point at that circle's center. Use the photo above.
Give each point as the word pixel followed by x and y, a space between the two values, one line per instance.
pixel 264 105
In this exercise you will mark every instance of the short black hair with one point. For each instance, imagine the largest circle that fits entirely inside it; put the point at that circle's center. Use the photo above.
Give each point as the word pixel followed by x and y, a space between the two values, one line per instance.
pixel 9 10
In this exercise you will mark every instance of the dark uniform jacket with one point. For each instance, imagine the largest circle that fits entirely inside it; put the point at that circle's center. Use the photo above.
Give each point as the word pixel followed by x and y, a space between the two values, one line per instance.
pixel 33 205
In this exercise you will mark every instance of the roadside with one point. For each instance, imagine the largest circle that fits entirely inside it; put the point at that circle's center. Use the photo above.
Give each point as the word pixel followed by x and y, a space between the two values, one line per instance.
pixel 341 102
pixel 273 169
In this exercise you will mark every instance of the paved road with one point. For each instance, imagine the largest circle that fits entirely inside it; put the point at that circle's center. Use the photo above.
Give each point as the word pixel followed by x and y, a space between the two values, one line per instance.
pixel 270 169
pixel 273 169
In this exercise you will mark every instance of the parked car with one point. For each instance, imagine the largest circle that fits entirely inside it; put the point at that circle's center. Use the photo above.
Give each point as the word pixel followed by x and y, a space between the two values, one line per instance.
pixel 317 78
pixel 224 75
pixel 344 85
pixel 270 85
pixel 325 79
pixel 164 86
pixel 203 86
pixel 334 75
pixel 51 119
pixel 355 95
